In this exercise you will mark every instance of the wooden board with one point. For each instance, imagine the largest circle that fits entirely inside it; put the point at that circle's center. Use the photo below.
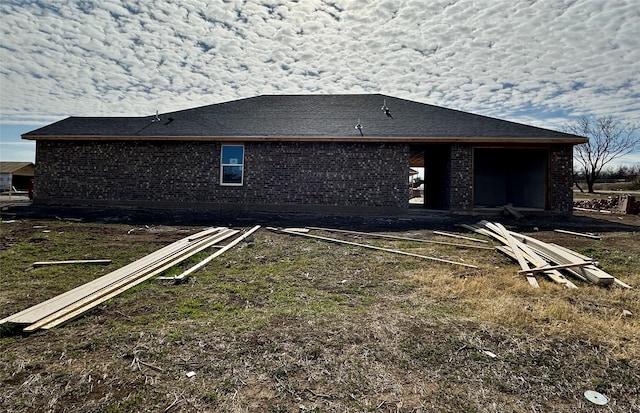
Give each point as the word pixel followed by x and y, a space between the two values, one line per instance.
pixel 559 256
pixel 43 309
pixel 205 233
pixel 515 248
pixel 374 235
pixel 50 306
pixel 339 241
pixel 99 296
pixel 446 234
pixel 577 254
pixel 558 267
pixel 216 254
pixel 535 258
pixel 45 263
pixel 578 234
pixel 554 275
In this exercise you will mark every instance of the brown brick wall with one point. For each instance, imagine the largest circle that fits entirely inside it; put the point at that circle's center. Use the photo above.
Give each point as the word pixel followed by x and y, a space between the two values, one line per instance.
pixel 128 171
pixel 277 174
pixel 461 190
pixel 347 174
pixel 305 176
pixel 561 179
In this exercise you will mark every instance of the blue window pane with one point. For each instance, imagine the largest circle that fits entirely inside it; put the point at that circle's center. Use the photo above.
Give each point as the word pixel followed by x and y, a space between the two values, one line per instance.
pixel 232 155
pixel 232 174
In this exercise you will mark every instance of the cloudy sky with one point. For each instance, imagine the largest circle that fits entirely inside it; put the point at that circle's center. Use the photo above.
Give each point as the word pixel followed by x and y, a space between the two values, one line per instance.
pixel 538 62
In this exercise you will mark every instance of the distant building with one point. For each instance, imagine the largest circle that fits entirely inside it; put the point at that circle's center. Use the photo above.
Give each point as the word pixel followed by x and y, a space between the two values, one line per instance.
pixel 16 175
pixel 307 153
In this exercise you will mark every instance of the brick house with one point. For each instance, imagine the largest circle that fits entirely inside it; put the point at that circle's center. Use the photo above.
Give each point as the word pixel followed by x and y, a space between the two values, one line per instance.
pixel 306 153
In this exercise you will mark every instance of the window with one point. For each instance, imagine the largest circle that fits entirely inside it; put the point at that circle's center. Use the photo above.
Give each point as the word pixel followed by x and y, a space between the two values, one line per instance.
pixel 232 165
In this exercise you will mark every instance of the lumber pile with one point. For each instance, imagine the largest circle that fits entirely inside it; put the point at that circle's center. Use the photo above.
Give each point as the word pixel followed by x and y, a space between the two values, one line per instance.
pixel 538 257
pixel 74 303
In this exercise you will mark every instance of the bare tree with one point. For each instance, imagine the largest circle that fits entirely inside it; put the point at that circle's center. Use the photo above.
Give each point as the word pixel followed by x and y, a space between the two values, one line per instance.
pixel 608 140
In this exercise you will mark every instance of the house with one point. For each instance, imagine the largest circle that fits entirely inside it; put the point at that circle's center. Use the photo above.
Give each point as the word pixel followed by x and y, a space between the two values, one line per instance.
pixel 15 176
pixel 306 153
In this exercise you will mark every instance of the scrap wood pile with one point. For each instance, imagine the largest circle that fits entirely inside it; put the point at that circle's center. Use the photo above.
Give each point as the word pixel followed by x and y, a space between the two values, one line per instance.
pixel 538 257
pixel 623 204
pixel 74 303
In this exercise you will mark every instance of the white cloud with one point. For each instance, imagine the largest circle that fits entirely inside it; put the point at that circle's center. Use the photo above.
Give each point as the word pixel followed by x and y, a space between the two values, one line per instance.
pixel 499 58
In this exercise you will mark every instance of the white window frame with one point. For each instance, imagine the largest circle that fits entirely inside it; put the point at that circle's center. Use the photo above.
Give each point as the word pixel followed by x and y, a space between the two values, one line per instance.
pixel 238 162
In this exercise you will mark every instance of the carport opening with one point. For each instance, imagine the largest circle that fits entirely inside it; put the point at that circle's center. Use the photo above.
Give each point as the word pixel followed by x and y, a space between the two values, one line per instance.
pixel 510 176
pixel 429 187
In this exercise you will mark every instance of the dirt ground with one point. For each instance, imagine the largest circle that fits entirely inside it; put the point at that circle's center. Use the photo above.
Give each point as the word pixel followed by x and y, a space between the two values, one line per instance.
pixel 417 218
pixel 284 324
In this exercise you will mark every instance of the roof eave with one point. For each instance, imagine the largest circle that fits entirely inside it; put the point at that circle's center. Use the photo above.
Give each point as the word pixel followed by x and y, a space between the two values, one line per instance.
pixel 386 139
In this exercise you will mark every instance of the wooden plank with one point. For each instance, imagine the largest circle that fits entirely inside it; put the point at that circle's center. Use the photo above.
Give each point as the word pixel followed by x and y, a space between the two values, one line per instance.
pixel 569 270
pixel 76 311
pixel 214 255
pixel 554 275
pixel 62 300
pixel 549 259
pixel 622 284
pixel 558 267
pixel 371 234
pixel 516 251
pixel 47 307
pixel 512 211
pixel 531 256
pixel 572 252
pixel 97 297
pixel 205 233
pixel 586 258
pixel 591 272
pixel 485 232
pixel 535 259
pixel 43 309
pixel 538 260
pixel 45 263
pixel 578 234
pixel 339 241
pixel 84 296
pixel 561 256
pixel 499 232
pixel 446 234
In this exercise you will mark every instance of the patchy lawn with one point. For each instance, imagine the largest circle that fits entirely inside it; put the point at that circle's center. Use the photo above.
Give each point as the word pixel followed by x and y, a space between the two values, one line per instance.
pixel 289 324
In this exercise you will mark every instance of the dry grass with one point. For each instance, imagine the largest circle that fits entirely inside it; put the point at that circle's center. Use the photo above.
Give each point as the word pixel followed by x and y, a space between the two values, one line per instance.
pixel 295 325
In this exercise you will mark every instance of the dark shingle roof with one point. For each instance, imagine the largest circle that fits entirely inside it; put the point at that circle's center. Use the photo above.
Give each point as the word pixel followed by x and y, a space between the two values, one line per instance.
pixel 305 117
